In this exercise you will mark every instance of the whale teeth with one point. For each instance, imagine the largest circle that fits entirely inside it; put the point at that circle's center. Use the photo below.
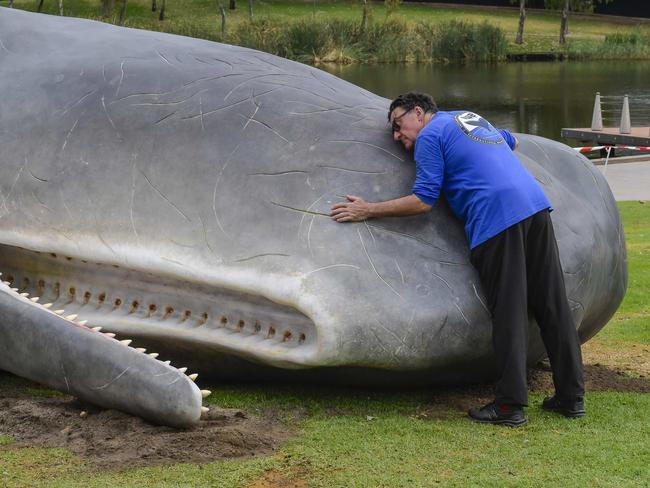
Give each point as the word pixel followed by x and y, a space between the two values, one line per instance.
pixel 205 409
pixel 6 283
pixel 82 322
pixel 59 312
pixel 140 349
pixel 126 342
pixel 35 299
pixel 97 329
pixel 193 376
pixel 47 305
pixel 167 362
pixel 24 294
pixel 205 393
pixel 153 354
pixel 72 316
pixel 109 334
pixel 182 370
pixel 14 289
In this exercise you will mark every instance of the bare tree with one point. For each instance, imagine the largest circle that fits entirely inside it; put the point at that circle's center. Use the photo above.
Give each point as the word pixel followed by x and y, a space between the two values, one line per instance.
pixel 107 7
pixel 40 6
pixel 153 5
pixel 61 8
pixel 250 9
pixel 222 11
pixel 522 20
pixel 11 3
pixel 123 12
pixel 564 25
pixel 364 16
pixel 161 17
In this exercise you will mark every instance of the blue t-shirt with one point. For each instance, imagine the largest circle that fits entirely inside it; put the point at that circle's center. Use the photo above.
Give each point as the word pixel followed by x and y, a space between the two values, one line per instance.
pixel 485 184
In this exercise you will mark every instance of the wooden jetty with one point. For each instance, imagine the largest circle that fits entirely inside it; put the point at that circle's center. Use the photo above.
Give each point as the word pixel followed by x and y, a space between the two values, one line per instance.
pixel 610 136
pixel 625 135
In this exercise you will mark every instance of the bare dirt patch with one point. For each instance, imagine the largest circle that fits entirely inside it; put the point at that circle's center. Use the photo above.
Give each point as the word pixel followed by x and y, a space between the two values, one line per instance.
pixel 113 440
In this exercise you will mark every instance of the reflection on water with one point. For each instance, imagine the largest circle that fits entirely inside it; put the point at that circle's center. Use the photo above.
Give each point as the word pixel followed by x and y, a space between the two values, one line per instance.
pixel 536 98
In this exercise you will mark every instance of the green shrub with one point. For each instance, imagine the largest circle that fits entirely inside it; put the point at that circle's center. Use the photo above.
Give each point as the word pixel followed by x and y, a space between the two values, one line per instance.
pixel 464 41
pixel 309 40
pixel 264 35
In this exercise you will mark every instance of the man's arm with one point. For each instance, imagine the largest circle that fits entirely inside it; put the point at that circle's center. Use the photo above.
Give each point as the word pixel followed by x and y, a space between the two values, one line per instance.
pixel 357 209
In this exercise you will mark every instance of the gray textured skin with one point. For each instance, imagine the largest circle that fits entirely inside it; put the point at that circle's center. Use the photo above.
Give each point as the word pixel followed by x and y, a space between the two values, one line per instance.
pixel 198 177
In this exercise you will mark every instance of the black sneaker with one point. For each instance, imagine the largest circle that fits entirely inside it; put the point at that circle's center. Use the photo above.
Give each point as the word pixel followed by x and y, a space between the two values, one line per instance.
pixel 508 415
pixel 568 408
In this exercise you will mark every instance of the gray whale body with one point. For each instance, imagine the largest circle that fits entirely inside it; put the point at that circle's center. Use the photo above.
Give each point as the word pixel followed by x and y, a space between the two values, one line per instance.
pixel 176 192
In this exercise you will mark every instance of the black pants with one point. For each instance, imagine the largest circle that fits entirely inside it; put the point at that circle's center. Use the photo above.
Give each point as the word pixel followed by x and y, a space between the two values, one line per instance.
pixel 520 268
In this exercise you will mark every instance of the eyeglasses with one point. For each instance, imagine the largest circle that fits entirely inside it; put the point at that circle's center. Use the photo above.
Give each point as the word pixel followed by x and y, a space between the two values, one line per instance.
pixel 395 125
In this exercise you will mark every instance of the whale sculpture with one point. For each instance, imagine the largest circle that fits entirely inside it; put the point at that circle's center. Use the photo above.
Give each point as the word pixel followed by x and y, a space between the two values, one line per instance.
pixel 176 192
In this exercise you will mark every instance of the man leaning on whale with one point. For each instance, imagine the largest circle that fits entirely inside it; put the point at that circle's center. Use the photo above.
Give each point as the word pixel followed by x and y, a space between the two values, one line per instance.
pixel 513 247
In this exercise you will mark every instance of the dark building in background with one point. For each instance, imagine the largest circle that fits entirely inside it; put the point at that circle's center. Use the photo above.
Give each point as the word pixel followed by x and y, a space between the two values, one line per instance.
pixel 626 8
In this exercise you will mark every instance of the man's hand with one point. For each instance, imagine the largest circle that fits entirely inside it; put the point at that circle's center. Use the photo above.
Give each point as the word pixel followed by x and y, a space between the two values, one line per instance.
pixel 355 209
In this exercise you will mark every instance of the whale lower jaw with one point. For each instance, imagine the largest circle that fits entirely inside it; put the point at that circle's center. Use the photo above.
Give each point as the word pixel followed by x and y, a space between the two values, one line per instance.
pixel 152 307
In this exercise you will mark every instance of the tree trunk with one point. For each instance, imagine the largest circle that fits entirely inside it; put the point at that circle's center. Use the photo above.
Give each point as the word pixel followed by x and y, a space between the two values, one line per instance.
pixel 522 20
pixel 107 7
pixel 154 7
pixel 564 26
pixel 223 22
pixel 123 12
pixel 40 5
pixel 313 9
pixel 11 3
pixel 61 8
pixel 161 17
pixel 233 5
pixel 364 16
pixel 250 10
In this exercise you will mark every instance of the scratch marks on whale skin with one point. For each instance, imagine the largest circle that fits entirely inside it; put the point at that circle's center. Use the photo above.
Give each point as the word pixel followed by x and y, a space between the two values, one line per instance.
pixel 257 107
pixel 352 141
pixel 4 48
pixel 210 112
pixel 372 264
pixel 280 173
pixel 332 266
pixel 108 115
pixel 13 186
pixel 36 177
pixel 119 85
pixel 133 186
pixel 478 297
pixel 162 195
pixel 173 102
pixel 71 105
pixel 164 118
pixel 112 381
pixel 409 236
pixel 349 170
pixel 267 126
pixel 163 58
pixel 267 254
pixel 216 186
pixel 65 142
pixel 301 210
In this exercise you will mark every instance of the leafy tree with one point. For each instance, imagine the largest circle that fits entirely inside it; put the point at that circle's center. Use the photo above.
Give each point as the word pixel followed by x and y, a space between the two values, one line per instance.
pixel 571 5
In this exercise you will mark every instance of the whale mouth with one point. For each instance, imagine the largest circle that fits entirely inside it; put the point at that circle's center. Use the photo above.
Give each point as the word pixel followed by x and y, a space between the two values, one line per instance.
pixel 142 305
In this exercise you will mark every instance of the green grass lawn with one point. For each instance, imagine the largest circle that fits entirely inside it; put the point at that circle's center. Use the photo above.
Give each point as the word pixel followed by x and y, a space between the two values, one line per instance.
pixel 351 438
pixel 200 18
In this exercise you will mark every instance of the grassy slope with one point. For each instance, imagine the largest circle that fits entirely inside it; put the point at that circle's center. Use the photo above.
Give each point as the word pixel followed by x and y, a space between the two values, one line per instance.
pixel 389 439
pixel 200 18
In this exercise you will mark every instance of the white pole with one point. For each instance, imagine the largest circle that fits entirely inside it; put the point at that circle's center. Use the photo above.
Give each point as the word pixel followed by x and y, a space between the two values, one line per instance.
pixel 626 126
pixel 597 118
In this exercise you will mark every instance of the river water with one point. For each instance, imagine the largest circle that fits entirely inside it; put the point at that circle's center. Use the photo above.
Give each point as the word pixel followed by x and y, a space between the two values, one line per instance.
pixel 535 97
